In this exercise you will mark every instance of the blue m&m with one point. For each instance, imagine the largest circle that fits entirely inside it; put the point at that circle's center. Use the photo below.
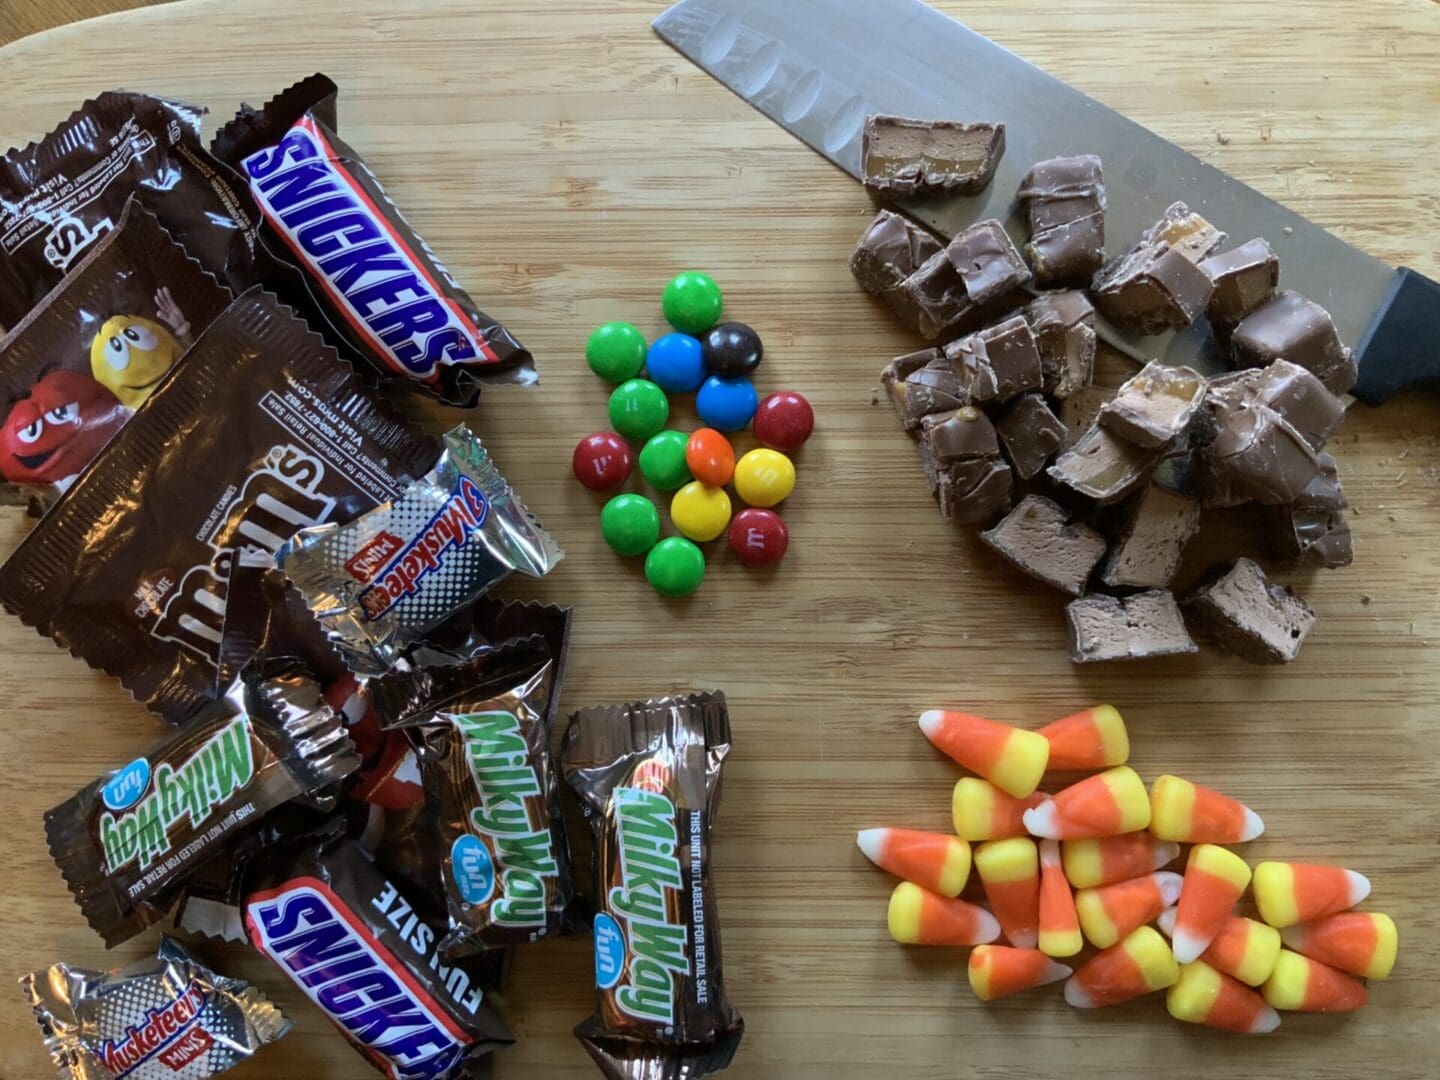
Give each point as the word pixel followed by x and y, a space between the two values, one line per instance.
pixel 726 404
pixel 676 363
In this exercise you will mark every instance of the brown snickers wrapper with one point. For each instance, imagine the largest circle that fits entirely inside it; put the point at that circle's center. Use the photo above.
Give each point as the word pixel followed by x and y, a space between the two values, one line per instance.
pixel 648 776
pixel 128 839
pixel 260 431
pixel 484 739
pixel 381 288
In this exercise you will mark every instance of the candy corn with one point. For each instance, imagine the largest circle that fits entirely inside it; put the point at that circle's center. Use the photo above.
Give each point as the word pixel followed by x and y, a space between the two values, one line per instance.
pixel 1059 927
pixel 1141 964
pixel 1299 984
pixel 981 811
pixel 1203 995
pixel 997 971
pixel 1214 879
pixel 1093 739
pixel 1010 758
pixel 1243 949
pixel 919 917
pixel 1107 804
pixel 937 862
pixel 1108 913
pixel 1010 872
pixel 1091 863
pixel 1191 814
pixel 1288 893
pixel 1358 942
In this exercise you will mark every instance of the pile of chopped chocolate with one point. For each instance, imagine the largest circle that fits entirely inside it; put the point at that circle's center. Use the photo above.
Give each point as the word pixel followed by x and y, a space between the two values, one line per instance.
pixel 1010 425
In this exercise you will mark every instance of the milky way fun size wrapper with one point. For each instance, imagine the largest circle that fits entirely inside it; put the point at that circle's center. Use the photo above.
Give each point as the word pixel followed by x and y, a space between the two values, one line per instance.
pixel 648 776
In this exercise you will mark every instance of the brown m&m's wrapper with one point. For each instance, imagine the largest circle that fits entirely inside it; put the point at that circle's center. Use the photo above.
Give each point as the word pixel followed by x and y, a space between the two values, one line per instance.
pixel 648 776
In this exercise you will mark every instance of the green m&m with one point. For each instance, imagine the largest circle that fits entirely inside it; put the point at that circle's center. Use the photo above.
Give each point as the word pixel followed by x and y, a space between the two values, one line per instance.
pixel 675 566
pixel 662 461
pixel 615 351
pixel 630 524
pixel 692 302
pixel 638 409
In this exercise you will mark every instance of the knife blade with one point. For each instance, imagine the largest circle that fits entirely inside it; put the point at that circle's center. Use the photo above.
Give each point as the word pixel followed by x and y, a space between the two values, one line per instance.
pixel 819 67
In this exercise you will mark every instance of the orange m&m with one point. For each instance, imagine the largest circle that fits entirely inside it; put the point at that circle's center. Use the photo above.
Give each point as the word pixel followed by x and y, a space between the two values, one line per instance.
pixel 710 457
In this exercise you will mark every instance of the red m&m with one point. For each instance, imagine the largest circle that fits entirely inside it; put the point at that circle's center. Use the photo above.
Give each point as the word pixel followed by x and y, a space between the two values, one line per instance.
pixel 602 461
pixel 784 421
pixel 758 537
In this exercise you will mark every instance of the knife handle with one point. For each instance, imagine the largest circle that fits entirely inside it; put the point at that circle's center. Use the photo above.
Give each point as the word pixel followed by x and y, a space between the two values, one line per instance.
pixel 1401 346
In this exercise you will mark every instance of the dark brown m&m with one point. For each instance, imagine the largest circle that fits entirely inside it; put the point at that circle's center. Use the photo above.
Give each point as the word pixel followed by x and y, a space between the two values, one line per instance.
pixel 732 349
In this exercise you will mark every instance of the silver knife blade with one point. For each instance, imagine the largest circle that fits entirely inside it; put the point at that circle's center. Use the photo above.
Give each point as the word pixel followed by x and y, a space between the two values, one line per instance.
pixel 819 67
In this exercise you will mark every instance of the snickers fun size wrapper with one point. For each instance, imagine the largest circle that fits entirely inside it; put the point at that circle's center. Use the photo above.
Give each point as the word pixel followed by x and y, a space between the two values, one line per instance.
pixel 648 776
pixel 151 1020
pixel 60 195
pixel 378 583
pixel 78 366
pixel 359 949
pixel 484 740
pixel 261 431
pixel 379 284
pixel 126 840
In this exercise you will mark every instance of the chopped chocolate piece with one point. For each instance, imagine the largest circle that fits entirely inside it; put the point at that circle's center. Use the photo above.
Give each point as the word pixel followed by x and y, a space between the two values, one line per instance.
pixel 963 437
pixel 1064 326
pixel 969 358
pixel 894 376
pixel 908 157
pixel 1155 406
pixel 1244 278
pixel 1290 327
pixel 1257 456
pixel 1187 232
pixel 934 388
pixel 1143 625
pixel 974 495
pixel 1064 202
pixel 1080 410
pixel 932 299
pixel 1239 610
pixel 1147 552
pixel 1031 434
pixel 892 249
pixel 998 362
pixel 1103 466
pixel 987 261
pixel 1150 289
pixel 1313 528
pixel 1038 537
pixel 1301 399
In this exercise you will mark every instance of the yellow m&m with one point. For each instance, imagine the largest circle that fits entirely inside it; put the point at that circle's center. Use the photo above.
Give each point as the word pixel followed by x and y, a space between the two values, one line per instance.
pixel 700 512
pixel 764 477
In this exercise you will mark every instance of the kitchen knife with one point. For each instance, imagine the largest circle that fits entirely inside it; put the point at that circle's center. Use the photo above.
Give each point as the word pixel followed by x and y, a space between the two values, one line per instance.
pixel 819 67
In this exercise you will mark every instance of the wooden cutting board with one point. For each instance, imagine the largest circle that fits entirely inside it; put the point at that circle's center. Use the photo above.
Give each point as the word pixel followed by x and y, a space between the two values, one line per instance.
pixel 566 163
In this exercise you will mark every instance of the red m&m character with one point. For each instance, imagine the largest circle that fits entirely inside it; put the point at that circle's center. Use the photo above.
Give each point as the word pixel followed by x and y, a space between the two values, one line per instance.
pixel 758 536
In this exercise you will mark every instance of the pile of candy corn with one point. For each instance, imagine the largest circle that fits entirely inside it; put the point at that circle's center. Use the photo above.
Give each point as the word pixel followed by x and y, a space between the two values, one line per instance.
pixel 1085 864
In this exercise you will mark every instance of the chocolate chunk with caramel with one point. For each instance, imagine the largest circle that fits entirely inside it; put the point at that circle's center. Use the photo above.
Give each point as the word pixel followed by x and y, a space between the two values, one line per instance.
pixel 998 362
pixel 1144 625
pixel 1039 538
pixel 922 383
pixel 1147 553
pixel 986 260
pixel 1064 202
pixel 1031 435
pixel 1187 232
pixel 1290 327
pixel 1154 407
pixel 1102 466
pixel 1313 528
pixel 1064 326
pixel 892 249
pixel 901 157
pixel 1242 612
pixel 1150 289
pixel 1244 278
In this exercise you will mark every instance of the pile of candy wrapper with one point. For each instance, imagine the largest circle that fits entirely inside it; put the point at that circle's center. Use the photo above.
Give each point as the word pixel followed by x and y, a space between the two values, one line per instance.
pixel 359 778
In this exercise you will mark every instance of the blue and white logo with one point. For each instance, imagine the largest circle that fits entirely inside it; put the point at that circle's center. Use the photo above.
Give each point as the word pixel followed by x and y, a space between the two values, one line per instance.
pixel 609 951
pixel 473 869
pixel 124 789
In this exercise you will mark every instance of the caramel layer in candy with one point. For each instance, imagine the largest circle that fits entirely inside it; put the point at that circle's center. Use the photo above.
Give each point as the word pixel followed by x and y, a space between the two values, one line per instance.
pixel 1313 528
pixel 998 362
pixel 1031 434
pixel 1152 540
pixel 1290 327
pixel 907 157
pixel 1064 326
pixel 1244 278
pixel 1103 466
pixel 1107 628
pixel 891 249
pixel 1154 407
pixel 1081 410
pixel 1242 612
pixel 987 261
pixel 893 378
pixel 975 494
pixel 1039 538
pixel 1064 203
pixel 1187 232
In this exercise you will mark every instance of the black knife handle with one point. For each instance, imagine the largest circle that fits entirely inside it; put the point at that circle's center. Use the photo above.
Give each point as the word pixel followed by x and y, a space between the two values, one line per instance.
pixel 1401 347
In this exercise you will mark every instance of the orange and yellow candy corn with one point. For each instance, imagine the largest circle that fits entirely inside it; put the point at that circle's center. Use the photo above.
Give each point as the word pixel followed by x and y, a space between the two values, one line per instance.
pixel 1110 912
pixel 1059 926
pixel 997 971
pixel 1010 758
pixel 1093 739
pixel 981 811
pixel 1010 872
pixel 1107 804
pixel 1243 949
pixel 1214 880
pixel 1299 984
pixel 1141 964
pixel 1358 942
pixel 1203 995
pixel 1104 861
pixel 940 863
pixel 1289 893
pixel 920 917
pixel 1191 814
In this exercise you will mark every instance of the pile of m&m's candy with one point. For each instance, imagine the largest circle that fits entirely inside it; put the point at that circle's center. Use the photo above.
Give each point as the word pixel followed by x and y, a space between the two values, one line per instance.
pixel 715 362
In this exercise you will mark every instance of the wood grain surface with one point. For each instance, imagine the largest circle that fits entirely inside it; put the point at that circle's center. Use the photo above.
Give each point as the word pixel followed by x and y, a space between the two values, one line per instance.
pixel 566 163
